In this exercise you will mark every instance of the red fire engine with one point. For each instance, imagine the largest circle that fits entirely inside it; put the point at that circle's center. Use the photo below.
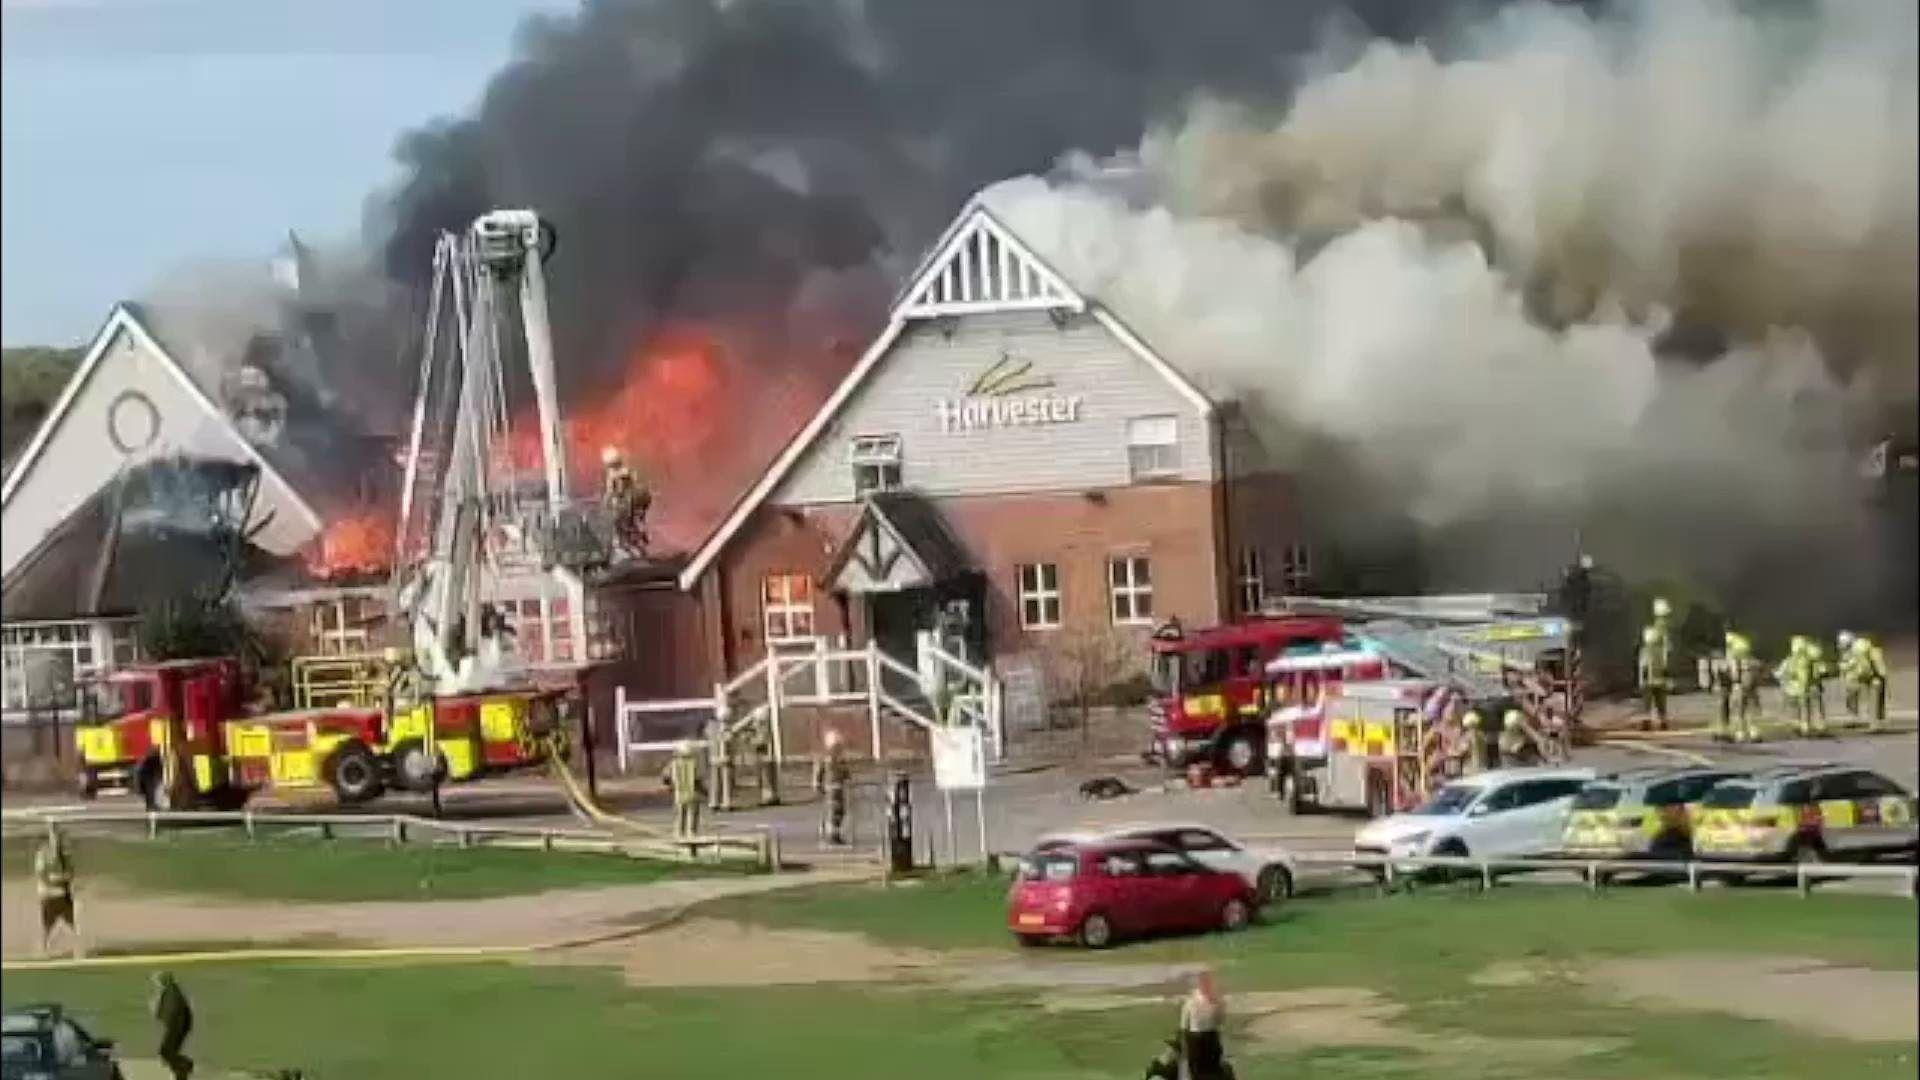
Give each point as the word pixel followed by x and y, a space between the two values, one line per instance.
pixel 1211 690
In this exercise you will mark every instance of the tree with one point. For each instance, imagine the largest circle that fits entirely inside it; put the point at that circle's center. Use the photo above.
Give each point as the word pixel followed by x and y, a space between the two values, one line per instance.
pixel 31 378
pixel 1088 664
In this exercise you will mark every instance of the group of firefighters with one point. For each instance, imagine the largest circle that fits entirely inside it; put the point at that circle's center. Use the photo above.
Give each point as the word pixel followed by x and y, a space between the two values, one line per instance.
pixel 1460 745
pixel 1736 673
pixel 715 791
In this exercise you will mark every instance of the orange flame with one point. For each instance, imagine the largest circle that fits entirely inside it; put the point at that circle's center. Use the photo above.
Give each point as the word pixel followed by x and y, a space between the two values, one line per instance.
pixel 691 415
pixel 358 544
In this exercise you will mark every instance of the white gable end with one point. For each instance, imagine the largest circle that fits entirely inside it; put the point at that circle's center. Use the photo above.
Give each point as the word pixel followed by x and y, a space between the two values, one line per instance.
pixel 980 266
pixel 127 403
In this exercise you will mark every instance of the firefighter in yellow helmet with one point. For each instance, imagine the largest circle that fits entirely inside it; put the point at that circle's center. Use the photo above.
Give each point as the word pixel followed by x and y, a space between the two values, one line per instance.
pixel 1794 674
pixel 1818 671
pixel 1745 671
pixel 1869 666
pixel 831 777
pixel 1654 684
pixel 683 776
pixel 1516 746
pixel 1476 738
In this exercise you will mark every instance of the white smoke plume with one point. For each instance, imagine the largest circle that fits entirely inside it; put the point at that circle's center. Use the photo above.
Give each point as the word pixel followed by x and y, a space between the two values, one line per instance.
pixel 1450 275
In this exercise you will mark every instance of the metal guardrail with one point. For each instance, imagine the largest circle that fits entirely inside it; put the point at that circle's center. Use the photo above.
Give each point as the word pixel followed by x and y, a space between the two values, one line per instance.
pixel 760 847
pixel 1596 872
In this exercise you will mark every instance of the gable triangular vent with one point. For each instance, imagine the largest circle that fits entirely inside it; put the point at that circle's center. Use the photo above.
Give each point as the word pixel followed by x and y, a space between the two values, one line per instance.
pixel 981 266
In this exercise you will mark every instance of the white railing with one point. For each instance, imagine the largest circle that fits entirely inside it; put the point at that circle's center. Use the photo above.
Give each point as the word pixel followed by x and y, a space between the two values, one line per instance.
pixel 396 829
pixel 821 675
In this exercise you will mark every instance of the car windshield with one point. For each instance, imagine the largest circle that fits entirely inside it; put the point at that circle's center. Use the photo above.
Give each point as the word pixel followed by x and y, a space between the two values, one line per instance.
pixel 1597 797
pixel 1048 866
pixel 1729 797
pixel 1449 801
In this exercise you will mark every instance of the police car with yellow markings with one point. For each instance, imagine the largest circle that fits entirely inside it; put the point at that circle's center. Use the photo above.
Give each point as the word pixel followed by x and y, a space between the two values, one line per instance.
pixel 1645 813
pixel 1806 813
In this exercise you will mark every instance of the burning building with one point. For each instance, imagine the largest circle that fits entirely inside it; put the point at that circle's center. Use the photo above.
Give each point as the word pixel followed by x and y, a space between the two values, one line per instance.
pixel 1010 463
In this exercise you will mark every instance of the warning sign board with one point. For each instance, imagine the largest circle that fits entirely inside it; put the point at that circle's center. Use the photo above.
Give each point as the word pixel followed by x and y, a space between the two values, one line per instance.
pixel 959 758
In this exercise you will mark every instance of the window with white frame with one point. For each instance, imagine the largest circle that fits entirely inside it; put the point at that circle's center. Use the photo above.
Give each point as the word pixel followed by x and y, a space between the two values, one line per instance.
pixel 876 463
pixel 786 600
pixel 1252 578
pixel 542 628
pixel 1153 447
pixel 1296 567
pixel 39 663
pixel 1039 596
pixel 1130 578
pixel 339 627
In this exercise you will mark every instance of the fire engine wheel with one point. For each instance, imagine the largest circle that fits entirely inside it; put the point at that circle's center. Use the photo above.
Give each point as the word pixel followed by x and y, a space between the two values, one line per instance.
pixel 414 768
pixel 354 774
pixel 1241 754
pixel 89 784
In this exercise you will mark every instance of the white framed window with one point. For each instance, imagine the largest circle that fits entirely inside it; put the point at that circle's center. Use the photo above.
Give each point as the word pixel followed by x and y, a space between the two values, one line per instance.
pixel 1296 567
pixel 876 463
pixel 40 662
pixel 1252 579
pixel 1039 595
pixel 339 627
pixel 786 601
pixel 1130 580
pixel 1153 447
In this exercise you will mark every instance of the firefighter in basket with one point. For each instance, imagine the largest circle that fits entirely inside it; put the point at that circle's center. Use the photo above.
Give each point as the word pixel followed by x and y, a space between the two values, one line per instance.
pixel 627 502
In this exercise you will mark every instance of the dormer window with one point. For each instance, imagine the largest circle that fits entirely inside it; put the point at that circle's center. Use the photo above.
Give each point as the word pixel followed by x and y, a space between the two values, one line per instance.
pixel 876 464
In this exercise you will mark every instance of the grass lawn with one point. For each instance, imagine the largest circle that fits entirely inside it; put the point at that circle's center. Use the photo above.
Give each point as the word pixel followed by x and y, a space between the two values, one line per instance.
pixel 227 865
pixel 492 1019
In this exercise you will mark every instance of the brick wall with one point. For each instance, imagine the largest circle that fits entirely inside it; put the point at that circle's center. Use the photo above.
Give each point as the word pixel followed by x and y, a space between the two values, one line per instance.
pixel 1171 524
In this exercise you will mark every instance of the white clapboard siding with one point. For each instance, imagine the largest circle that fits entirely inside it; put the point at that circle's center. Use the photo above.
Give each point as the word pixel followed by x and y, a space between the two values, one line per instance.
pixel 938 360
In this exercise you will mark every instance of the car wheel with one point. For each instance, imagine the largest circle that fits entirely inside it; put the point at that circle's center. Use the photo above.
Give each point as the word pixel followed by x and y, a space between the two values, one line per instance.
pixel 1095 931
pixel 1235 914
pixel 1451 848
pixel 1809 853
pixel 147 781
pixel 353 774
pixel 1241 754
pixel 1276 884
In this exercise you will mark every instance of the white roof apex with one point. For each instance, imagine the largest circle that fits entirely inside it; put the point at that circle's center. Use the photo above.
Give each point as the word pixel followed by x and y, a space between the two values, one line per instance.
pixel 979 265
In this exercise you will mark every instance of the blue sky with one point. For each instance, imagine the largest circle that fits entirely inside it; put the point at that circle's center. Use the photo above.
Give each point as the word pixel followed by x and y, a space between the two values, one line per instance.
pixel 141 135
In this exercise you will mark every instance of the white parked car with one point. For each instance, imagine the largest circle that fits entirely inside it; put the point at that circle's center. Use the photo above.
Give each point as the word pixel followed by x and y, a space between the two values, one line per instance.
pixel 1268 869
pixel 1504 812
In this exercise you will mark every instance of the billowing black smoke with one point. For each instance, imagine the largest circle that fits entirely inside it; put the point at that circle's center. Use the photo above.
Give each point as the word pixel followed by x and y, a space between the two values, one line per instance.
pixel 704 159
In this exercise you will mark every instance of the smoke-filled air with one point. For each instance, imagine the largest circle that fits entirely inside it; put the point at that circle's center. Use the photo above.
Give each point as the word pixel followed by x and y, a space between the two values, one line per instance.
pixel 1648 276
pixel 1496 277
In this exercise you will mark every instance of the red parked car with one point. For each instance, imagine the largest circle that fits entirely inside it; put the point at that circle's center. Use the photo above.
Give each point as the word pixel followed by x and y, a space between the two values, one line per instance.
pixel 1098 891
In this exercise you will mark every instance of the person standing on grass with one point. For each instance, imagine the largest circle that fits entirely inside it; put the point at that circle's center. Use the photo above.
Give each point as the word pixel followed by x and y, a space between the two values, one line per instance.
pixel 169 1006
pixel 53 881
pixel 1201 1014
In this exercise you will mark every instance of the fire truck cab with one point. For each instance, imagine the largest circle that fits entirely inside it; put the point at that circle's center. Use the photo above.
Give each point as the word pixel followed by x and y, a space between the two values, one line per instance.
pixel 1210 692
pixel 125 718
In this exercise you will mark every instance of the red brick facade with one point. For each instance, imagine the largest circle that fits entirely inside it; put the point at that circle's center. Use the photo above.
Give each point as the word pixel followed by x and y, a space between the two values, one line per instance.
pixel 1188 532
